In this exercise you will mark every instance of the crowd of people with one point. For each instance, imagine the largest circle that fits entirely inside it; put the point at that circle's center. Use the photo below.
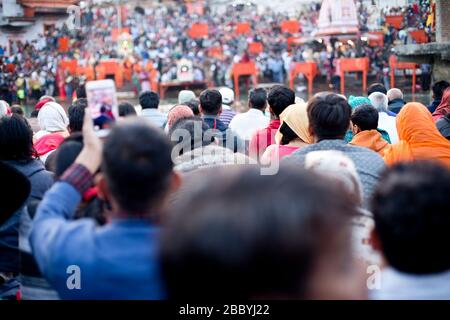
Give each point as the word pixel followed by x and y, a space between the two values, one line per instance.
pixel 159 34
pixel 291 199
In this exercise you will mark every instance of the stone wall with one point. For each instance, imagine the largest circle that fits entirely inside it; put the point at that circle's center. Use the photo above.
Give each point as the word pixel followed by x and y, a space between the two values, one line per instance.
pixel 442 21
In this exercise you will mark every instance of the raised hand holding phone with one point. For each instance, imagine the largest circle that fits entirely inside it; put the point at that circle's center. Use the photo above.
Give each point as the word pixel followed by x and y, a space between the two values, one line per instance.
pixel 91 154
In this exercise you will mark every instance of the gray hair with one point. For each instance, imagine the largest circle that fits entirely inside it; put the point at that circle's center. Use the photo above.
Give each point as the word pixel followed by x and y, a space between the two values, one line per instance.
pixel 394 93
pixel 379 101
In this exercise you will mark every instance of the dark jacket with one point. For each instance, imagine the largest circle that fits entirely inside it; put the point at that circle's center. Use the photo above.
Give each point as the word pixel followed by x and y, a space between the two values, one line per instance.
pixel 18 226
pixel 443 126
pixel 432 107
pixel 396 105
pixel 225 136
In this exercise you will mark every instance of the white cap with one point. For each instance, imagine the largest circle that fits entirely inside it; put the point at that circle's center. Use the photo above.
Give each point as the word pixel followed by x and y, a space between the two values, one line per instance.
pixel 227 95
pixel 185 96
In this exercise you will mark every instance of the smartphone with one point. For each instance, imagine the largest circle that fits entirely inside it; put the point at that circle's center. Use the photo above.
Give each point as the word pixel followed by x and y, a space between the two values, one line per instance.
pixel 102 102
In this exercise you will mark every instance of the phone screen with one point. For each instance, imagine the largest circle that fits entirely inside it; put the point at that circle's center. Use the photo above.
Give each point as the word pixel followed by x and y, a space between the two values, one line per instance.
pixel 102 102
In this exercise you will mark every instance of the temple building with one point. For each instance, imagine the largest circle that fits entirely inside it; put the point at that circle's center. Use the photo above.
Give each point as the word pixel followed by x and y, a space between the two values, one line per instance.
pixel 338 17
pixel 27 19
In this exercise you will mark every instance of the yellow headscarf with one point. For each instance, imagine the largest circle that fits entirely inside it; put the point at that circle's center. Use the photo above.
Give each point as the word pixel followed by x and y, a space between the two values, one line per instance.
pixel 296 118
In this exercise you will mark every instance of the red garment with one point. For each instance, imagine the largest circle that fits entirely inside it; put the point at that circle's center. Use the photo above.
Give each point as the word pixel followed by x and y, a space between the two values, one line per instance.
pixel 48 143
pixel 262 139
pixel 90 194
pixel 41 103
pixel 444 107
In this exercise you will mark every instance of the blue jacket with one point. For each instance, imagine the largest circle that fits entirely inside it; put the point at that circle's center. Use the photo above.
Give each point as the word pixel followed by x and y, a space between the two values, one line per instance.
pixel 434 104
pixel 116 261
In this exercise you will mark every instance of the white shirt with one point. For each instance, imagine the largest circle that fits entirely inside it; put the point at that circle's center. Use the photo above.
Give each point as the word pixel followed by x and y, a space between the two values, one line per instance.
pixel 247 123
pixel 388 124
pixel 396 285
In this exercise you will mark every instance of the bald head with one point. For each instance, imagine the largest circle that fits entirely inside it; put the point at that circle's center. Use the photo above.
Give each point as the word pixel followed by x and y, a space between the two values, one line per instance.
pixel 394 93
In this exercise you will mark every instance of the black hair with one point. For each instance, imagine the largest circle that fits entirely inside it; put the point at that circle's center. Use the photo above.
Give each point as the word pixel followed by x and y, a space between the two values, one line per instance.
pixel 194 135
pixel 439 88
pixel 412 217
pixel 257 98
pixel 60 160
pixel 76 114
pixel 365 117
pixel 288 134
pixel 16 139
pixel 18 110
pixel 137 188
pixel 329 116
pixel 210 101
pixel 279 98
pixel 149 100
pixel 126 109
pixel 34 114
pixel 193 104
pixel 376 87
pixel 81 92
pixel 231 240
pixel 66 155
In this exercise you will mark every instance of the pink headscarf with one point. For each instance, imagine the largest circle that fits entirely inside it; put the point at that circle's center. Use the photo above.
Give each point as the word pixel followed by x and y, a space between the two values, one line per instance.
pixel 178 112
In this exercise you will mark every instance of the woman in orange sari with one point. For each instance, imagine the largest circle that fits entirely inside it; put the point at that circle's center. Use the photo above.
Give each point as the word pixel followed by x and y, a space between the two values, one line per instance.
pixel 419 138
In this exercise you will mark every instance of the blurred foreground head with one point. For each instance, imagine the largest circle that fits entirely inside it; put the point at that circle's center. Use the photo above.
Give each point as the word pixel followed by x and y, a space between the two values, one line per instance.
pixel 137 168
pixel 284 236
pixel 412 217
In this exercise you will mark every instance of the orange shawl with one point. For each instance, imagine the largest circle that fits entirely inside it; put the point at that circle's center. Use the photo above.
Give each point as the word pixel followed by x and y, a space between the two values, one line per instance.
pixel 419 138
pixel 371 139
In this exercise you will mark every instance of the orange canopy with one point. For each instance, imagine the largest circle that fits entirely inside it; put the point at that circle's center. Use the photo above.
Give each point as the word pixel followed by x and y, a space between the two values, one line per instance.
pixel 198 30
pixel 243 28
pixel 419 138
pixel 290 26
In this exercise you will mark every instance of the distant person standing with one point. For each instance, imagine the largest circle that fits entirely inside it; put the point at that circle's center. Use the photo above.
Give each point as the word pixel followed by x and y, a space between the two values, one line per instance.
pixel 396 102
pixel 149 102
pixel 438 91
pixel 247 123
pixel 227 101
pixel 279 98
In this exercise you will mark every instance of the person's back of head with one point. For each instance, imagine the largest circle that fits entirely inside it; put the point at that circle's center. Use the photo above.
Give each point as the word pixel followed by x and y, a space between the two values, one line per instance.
pixel 329 116
pixel 210 102
pixel 394 93
pixel 76 115
pixel 379 101
pixel 412 217
pixel 439 88
pixel 185 96
pixel 227 95
pixel 257 99
pixel 237 242
pixel 365 117
pixel 376 87
pixel 16 139
pixel 18 110
pixel 126 109
pixel 149 100
pixel 137 189
pixel 188 134
pixel 65 156
pixel 60 160
pixel 279 98
pixel 53 118
pixel 194 104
